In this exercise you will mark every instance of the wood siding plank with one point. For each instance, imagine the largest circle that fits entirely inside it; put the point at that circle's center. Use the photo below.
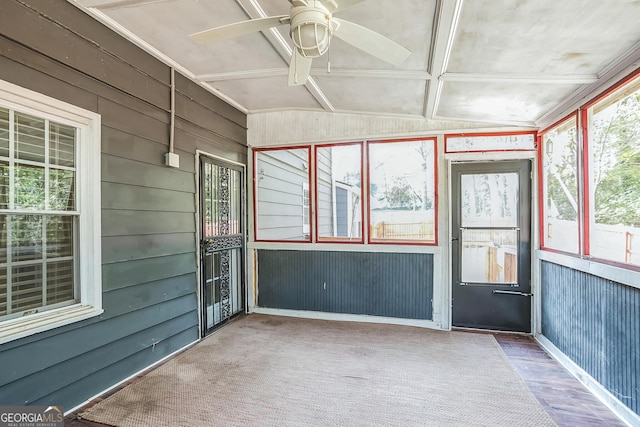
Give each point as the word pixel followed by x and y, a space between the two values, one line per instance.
pixel 75 20
pixel 131 247
pixel 194 91
pixel 131 273
pixel 126 171
pixel 127 197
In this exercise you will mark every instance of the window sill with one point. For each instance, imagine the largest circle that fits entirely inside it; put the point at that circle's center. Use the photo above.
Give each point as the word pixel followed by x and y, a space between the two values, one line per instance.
pixel 24 326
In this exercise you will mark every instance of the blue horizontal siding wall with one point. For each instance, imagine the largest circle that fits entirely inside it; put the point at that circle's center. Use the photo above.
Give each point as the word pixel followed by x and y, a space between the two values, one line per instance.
pixel 148 221
pixel 378 284
pixel 596 323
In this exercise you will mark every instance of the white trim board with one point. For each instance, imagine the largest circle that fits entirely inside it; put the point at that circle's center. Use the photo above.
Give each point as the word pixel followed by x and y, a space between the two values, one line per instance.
pixel 608 399
pixel 343 317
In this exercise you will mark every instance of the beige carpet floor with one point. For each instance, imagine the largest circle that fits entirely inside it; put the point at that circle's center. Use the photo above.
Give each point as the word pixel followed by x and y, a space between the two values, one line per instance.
pixel 278 371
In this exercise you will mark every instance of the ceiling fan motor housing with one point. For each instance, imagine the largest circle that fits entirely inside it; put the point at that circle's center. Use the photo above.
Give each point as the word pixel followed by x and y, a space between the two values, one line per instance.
pixel 311 28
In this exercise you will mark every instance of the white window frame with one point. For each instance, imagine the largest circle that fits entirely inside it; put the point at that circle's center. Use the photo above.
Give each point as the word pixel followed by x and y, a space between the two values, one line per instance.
pixel 88 204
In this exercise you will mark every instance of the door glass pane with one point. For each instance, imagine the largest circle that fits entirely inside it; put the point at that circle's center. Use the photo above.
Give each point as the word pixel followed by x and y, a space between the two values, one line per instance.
pixel 489 256
pixel 235 195
pixel 489 200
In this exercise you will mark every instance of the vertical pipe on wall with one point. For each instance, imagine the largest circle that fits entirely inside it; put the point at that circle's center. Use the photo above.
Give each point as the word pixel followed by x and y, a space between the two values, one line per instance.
pixel 172 159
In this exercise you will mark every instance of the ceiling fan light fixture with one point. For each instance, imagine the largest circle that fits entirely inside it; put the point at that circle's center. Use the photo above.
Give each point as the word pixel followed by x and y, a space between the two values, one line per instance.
pixel 311 39
pixel 311 28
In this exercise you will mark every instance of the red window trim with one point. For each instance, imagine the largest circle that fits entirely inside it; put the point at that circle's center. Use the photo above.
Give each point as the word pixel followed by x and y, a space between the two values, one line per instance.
pixel 318 238
pixel 481 134
pixel 255 192
pixel 435 194
pixel 541 189
pixel 584 128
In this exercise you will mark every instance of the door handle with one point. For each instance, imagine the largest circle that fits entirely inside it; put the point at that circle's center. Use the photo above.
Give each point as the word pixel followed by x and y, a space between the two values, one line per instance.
pixel 498 291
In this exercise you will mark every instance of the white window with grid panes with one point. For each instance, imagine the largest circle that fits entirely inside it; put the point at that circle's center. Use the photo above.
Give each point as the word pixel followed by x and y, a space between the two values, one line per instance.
pixel 49 213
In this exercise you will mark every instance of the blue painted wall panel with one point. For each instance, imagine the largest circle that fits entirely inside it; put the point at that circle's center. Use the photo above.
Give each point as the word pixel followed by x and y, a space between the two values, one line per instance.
pixel 596 323
pixel 379 284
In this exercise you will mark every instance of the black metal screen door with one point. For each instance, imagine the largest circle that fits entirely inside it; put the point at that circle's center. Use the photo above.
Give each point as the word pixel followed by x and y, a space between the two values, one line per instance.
pixel 222 241
pixel 491 216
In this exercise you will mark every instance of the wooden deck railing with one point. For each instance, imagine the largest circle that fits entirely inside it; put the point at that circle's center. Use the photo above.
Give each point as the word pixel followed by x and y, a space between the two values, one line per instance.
pixel 403 231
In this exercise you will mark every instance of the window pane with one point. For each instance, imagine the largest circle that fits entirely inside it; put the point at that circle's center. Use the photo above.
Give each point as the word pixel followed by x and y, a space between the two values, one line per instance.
pixel 489 200
pixel 339 190
pixel 62 144
pixel 560 220
pixel 490 143
pixel 614 145
pixel 61 190
pixel 26 287
pixel 4 132
pixel 4 184
pixel 29 138
pixel 489 256
pixel 3 290
pixel 59 236
pixel 281 206
pixel 4 228
pixel 402 191
pixel 59 281
pixel 26 237
pixel 29 187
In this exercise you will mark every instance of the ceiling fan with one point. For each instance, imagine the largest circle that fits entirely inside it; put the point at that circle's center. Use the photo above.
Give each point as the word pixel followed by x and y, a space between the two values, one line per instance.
pixel 312 25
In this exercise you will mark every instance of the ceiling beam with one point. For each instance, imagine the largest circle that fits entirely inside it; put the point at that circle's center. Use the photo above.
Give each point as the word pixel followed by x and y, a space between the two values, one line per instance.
pixel 516 78
pixel 116 4
pixel 253 10
pixel 522 124
pixel 447 19
pixel 337 72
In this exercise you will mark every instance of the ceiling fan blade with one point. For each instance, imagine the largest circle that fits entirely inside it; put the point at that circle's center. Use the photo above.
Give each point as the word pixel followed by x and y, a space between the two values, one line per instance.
pixel 343 4
pixel 371 42
pixel 238 29
pixel 299 69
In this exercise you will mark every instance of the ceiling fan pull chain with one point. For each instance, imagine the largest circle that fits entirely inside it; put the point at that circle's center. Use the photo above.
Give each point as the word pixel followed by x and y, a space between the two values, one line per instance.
pixel 329 61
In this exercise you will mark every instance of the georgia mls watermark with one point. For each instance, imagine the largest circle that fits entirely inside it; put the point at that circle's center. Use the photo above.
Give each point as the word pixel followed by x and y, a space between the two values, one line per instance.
pixel 31 416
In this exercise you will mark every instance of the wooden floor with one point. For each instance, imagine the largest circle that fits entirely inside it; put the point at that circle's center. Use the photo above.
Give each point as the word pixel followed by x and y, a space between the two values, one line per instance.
pixel 564 398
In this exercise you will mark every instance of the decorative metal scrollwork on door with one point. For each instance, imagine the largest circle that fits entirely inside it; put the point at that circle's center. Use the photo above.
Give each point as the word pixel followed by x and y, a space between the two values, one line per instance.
pixel 222 235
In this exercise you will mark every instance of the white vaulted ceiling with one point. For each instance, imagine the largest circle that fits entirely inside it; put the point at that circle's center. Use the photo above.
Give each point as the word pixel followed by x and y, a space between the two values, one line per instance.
pixel 502 62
